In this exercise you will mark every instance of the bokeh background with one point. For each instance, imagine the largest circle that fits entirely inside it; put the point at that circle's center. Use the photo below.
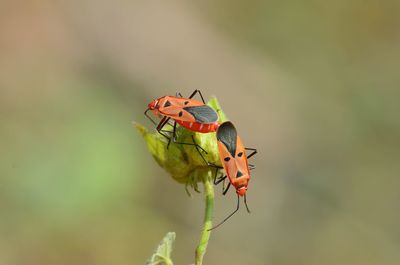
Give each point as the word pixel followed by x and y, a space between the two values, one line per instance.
pixel 314 85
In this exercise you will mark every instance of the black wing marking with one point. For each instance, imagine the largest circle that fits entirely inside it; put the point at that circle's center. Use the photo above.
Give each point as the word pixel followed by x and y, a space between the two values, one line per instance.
pixel 203 114
pixel 227 134
pixel 167 104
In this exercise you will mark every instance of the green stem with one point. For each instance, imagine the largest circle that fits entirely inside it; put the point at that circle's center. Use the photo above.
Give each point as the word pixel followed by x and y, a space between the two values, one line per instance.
pixel 205 233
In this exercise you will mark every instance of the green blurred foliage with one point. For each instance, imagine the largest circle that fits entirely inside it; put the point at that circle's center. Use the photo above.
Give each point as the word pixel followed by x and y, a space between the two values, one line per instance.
pixel 313 85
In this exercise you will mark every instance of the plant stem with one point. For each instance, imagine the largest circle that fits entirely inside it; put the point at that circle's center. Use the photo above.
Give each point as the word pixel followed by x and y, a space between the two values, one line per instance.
pixel 205 233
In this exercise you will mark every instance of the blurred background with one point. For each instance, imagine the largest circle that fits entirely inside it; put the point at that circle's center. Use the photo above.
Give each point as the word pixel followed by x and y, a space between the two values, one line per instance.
pixel 314 85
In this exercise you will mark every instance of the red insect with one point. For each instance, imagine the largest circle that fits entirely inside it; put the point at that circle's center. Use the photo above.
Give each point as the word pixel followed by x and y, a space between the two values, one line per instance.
pixel 187 112
pixel 234 161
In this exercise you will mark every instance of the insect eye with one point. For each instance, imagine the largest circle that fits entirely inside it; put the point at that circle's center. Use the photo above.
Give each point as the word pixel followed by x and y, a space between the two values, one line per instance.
pixel 227 159
pixel 240 154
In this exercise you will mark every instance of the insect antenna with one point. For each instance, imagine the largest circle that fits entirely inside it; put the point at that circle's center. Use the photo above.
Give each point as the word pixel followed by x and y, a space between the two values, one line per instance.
pixel 245 203
pixel 229 216
pixel 145 113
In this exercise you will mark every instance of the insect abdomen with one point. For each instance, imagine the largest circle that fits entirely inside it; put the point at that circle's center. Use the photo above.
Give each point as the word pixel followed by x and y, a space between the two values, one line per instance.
pixel 199 127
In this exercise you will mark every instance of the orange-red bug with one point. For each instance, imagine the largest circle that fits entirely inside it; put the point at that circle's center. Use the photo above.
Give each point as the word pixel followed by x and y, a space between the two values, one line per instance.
pixel 234 161
pixel 187 112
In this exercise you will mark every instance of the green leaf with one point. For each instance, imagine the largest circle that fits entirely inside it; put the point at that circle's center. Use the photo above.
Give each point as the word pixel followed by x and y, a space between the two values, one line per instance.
pixel 162 255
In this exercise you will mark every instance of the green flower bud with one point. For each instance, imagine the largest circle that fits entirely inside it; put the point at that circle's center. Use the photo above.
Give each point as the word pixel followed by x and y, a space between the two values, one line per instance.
pixel 183 162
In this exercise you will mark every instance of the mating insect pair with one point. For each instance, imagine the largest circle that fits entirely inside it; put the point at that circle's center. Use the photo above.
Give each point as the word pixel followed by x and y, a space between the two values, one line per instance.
pixel 199 117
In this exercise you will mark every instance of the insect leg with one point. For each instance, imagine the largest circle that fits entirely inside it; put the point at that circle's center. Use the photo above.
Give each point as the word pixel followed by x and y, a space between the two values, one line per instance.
pixel 162 123
pixel 251 167
pixel 223 186
pixel 222 178
pixel 217 181
pixel 145 113
pixel 251 149
pixel 195 145
pixel 229 216
pixel 174 132
pixel 173 135
pixel 205 161
pixel 166 136
pixel 195 92
pixel 245 203
pixel 162 133
pixel 178 94
pixel 169 123
pixel 227 188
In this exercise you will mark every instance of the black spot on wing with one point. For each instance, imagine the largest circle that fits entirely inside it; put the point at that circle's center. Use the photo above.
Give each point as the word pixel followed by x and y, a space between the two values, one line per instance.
pixel 167 104
pixel 203 114
pixel 227 134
